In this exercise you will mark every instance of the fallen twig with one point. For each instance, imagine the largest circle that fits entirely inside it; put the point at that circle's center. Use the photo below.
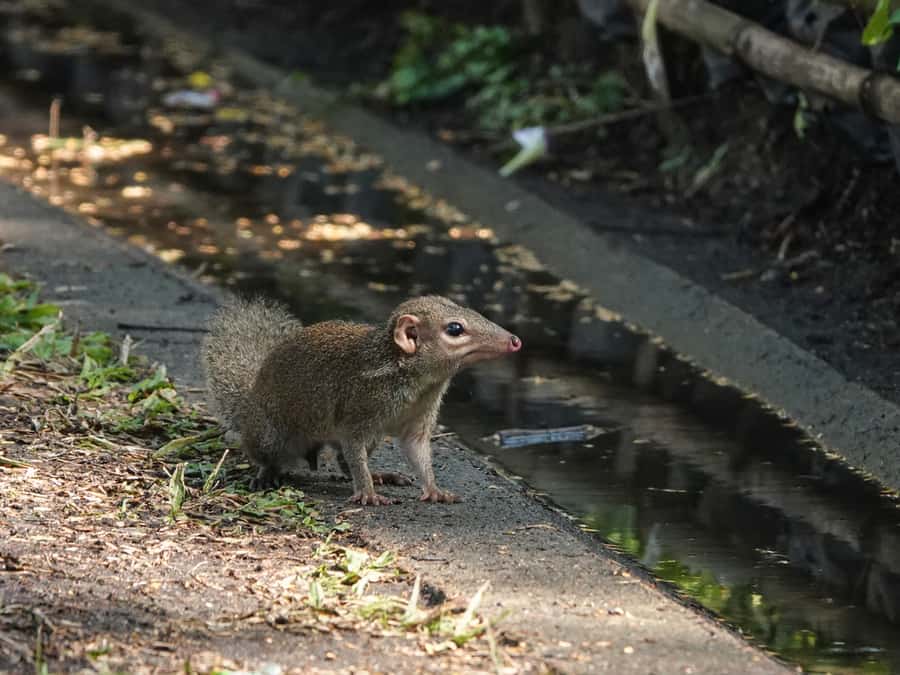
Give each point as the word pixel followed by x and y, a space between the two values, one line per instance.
pixel 13 463
pixel 799 259
pixel 738 275
pixel 53 134
pixel 785 244
pixel 148 327
pixel 610 118
pixel 625 115
pixel 23 651
pixel 179 444
pixel 125 350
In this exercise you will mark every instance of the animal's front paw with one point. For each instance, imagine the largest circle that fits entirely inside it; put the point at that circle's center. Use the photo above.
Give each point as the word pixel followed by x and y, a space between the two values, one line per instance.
pixel 372 499
pixel 390 478
pixel 435 494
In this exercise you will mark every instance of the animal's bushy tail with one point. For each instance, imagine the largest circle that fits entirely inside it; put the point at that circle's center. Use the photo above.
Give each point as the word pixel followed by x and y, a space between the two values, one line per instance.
pixel 241 333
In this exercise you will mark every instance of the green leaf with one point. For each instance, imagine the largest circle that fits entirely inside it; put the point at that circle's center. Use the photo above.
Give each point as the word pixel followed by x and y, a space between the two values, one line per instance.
pixel 8 284
pixel 505 86
pixel 160 402
pixel 316 595
pixel 95 376
pixel 177 446
pixel 386 559
pixel 52 344
pixel 675 160
pixel 158 380
pixel 880 27
pixel 406 78
pixel 800 118
pixel 355 560
pixel 98 346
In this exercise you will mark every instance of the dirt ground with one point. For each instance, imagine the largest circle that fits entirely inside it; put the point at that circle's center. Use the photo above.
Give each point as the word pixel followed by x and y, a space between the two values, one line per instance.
pixel 801 233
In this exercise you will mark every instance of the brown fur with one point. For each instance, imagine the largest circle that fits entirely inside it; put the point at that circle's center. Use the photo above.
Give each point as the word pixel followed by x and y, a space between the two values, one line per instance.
pixel 346 383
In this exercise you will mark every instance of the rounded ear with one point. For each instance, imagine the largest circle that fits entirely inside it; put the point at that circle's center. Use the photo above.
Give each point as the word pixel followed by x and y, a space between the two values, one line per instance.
pixel 406 333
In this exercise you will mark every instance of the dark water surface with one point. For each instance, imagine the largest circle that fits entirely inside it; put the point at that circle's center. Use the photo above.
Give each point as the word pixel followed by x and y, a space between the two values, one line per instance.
pixel 697 481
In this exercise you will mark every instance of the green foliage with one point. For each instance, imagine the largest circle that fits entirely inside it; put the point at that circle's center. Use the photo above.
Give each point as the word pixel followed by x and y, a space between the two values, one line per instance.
pixel 438 60
pixel 156 406
pixel 563 94
pixel 21 316
pixel 159 379
pixel 285 508
pixel 675 158
pixel 8 285
pixel 504 86
pixel 160 402
pixel 50 345
pixel 97 376
pixel 881 25
pixel 97 346
pixel 155 395
pixel 801 116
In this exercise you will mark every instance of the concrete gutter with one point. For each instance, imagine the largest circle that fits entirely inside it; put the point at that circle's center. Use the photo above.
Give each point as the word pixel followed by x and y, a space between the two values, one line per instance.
pixel 844 417
pixel 106 284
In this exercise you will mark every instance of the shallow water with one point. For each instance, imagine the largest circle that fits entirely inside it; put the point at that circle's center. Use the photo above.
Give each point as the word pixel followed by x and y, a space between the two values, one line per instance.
pixel 696 481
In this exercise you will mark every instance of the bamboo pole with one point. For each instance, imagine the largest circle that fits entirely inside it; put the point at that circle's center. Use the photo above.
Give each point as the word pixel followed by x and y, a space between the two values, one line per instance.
pixel 866 6
pixel 779 57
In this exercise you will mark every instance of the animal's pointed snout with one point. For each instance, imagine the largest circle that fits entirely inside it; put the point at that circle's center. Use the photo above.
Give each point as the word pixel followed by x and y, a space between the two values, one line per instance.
pixel 515 344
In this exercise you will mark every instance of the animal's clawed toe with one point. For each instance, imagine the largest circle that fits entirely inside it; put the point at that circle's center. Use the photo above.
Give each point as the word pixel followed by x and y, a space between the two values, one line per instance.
pixel 373 499
pixel 391 478
pixel 436 495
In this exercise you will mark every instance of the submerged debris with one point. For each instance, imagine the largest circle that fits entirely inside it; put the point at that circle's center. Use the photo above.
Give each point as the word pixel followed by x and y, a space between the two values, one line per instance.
pixel 518 438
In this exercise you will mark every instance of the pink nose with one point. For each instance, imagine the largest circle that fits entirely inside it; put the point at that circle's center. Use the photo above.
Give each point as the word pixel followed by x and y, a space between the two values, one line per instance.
pixel 515 344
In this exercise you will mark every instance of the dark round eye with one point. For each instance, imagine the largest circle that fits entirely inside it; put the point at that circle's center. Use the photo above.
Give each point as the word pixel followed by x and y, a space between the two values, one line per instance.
pixel 455 329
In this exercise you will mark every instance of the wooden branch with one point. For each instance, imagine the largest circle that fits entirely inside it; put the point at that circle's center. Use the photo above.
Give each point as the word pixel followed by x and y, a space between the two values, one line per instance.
pixel 533 16
pixel 781 58
pixel 865 6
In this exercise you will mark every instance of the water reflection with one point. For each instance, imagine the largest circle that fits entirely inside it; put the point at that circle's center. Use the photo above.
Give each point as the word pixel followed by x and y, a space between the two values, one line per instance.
pixel 750 520
pixel 697 481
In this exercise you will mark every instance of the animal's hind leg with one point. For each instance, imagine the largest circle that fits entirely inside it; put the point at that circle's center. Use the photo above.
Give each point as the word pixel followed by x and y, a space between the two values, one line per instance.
pixel 313 454
pixel 378 477
pixel 270 474
pixel 267 478
pixel 273 450
pixel 267 475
